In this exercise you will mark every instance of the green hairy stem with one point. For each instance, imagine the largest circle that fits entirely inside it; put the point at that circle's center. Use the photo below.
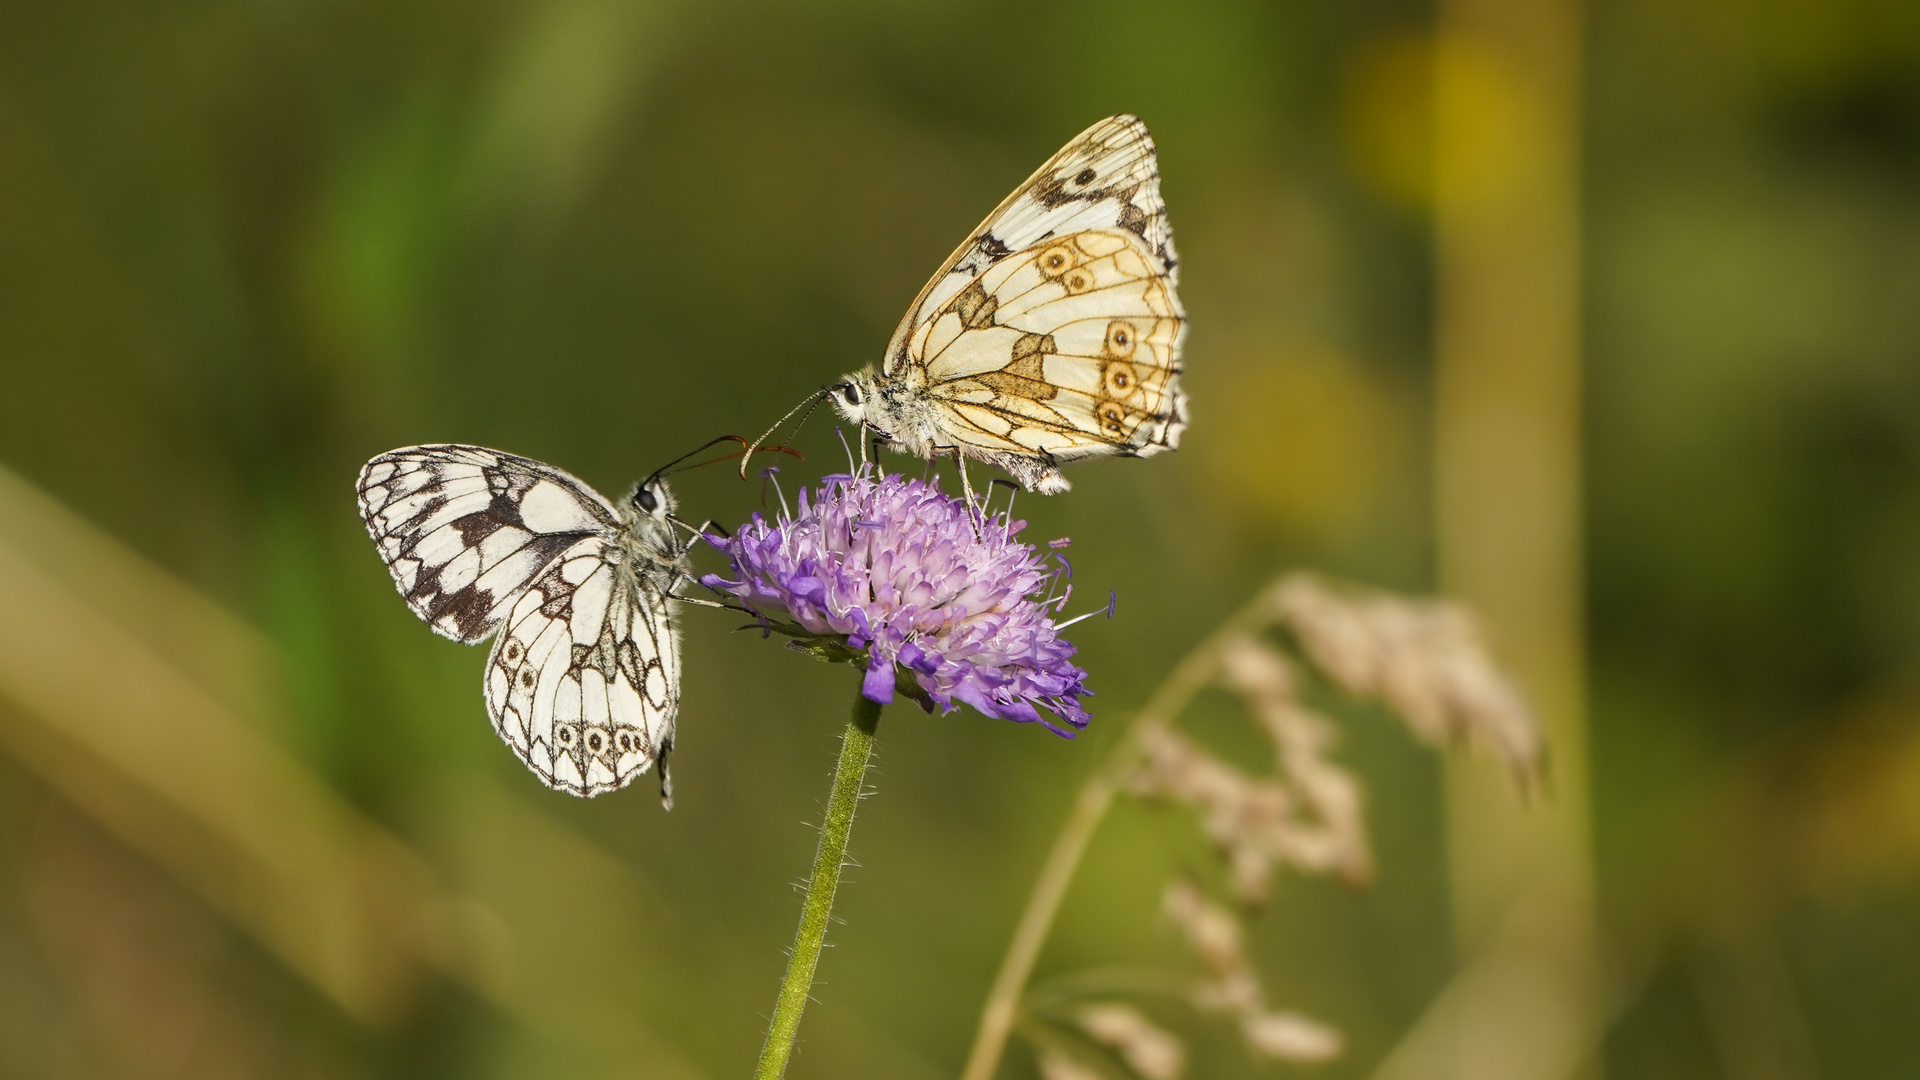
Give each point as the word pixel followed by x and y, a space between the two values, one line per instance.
pixel 856 747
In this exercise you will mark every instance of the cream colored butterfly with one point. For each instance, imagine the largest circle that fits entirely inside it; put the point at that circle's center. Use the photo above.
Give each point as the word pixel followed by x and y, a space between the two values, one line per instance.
pixel 1052 334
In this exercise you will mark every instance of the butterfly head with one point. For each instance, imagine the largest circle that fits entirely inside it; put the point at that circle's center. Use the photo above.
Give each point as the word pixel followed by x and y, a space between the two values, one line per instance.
pixel 856 396
pixel 651 500
pixel 649 511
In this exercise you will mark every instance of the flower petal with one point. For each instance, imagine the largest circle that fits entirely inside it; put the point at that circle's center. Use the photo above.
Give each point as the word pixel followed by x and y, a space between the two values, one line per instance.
pixel 878 685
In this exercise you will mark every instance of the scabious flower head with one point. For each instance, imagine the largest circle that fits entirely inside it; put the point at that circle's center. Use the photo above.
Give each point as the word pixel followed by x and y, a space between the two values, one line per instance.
pixel 935 600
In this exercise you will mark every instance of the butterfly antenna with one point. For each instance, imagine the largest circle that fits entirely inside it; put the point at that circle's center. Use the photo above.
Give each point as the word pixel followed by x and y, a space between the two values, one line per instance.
pixel 787 450
pixel 810 403
pixel 709 444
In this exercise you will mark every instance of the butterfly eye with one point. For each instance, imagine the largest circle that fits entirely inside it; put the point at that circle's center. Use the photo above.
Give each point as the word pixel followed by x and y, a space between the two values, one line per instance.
pixel 644 499
pixel 850 391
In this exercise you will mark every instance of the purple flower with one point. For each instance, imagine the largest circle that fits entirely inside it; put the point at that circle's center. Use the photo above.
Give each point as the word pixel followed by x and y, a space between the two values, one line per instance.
pixel 934 601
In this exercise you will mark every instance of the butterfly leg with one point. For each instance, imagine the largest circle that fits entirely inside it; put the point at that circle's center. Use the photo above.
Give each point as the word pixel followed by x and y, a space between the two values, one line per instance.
pixel 700 601
pixel 966 484
pixel 682 575
pixel 695 532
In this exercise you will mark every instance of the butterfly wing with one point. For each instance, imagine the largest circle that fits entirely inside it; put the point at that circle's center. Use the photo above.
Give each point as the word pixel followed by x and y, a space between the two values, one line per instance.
pixel 1054 332
pixel 584 681
pixel 1068 349
pixel 464 529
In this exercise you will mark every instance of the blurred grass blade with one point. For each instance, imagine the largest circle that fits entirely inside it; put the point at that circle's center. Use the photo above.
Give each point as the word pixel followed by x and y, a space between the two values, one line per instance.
pixel 134 737
pixel 573 941
pixel 127 692
pixel 140 699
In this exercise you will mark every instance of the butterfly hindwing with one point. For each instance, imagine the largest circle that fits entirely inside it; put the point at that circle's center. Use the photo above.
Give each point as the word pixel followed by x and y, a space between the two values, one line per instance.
pixel 583 682
pixel 1077 338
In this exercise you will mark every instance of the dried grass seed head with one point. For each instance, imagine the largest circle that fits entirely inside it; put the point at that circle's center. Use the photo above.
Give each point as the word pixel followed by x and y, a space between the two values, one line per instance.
pixel 1151 1051
pixel 1425 659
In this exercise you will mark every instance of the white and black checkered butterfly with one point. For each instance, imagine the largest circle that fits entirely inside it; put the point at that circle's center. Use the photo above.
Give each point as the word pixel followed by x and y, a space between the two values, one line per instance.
pixel 584 678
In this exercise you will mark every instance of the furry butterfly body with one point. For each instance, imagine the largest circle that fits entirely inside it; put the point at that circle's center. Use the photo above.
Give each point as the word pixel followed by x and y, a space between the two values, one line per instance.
pixel 1052 334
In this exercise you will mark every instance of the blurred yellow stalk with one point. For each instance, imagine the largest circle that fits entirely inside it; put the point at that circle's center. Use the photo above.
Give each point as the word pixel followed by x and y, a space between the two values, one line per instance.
pixel 1508 530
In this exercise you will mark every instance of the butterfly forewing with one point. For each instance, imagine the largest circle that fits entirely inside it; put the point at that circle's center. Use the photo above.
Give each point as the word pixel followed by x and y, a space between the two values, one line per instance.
pixel 1106 178
pixel 584 681
pixel 463 529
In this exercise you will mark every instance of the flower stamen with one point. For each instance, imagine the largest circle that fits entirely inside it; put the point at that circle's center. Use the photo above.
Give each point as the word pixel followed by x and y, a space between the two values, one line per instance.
pixel 1112 602
pixel 771 475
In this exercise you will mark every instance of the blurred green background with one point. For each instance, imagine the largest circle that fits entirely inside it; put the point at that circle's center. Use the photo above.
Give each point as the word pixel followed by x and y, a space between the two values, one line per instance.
pixel 245 246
